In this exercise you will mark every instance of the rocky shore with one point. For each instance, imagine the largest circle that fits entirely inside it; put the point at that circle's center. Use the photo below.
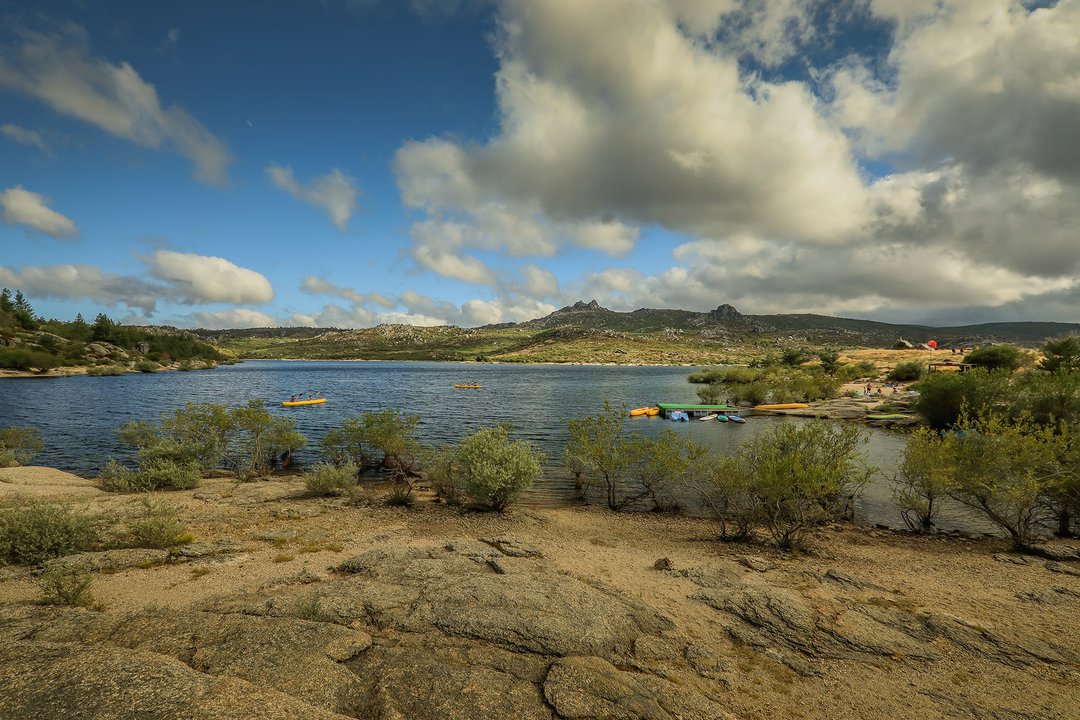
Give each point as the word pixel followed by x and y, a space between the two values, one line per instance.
pixel 290 607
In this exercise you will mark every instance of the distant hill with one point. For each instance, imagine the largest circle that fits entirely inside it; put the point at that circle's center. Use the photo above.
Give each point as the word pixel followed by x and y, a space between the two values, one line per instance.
pixel 588 332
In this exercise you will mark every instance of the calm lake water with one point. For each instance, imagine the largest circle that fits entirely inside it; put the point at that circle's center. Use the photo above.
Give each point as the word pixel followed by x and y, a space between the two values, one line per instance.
pixel 77 417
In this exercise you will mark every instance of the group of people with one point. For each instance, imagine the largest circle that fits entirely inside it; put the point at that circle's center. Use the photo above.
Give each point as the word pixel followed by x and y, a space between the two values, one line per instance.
pixel 880 391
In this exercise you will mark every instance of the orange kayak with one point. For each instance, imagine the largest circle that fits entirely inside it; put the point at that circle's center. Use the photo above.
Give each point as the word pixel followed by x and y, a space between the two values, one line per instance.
pixel 782 406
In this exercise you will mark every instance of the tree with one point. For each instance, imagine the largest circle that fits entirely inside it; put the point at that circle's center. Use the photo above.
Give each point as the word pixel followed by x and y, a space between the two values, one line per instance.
pixel 6 305
pixel 922 480
pixel 830 361
pixel 1061 354
pixel 1049 398
pixel 999 357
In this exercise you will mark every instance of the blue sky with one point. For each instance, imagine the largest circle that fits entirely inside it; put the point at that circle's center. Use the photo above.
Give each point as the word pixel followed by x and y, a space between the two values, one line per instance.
pixel 350 162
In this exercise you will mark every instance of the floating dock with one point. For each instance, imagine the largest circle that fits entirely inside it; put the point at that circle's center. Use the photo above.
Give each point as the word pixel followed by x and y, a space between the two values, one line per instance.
pixel 691 409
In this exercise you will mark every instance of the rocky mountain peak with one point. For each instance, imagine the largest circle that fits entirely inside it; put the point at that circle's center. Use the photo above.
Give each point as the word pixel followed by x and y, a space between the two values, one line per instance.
pixel 726 312
pixel 582 306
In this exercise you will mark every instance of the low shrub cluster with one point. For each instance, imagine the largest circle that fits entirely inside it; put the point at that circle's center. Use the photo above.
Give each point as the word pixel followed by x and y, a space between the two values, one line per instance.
pixel 788 480
pixel 31 534
pixel 905 371
pixel 175 452
pixel 629 469
pixel 329 479
pixel 18 445
pixel 774 383
pixel 487 470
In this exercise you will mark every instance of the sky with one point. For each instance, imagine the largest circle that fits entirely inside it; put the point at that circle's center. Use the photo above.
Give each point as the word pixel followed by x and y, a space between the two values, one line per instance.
pixel 345 163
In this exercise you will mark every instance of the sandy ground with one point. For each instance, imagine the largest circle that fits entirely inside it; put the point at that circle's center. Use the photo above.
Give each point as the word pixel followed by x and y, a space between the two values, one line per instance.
pixel 276 534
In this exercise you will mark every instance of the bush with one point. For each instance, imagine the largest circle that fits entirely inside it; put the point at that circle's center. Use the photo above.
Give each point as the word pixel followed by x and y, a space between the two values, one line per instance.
pixel 774 383
pixel 147 366
pixel 25 359
pixel 177 451
pixel 31 534
pixel 493 469
pixel 999 357
pixel 329 479
pixel 830 361
pixel 66 586
pixel 712 394
pixel 386 439
pixel 659 468
pixel 18 445
pixel 912 370
pixel 157 527
pixel 102 370
pixel 596 452
pixel 791 478
pixel 943 395
pixel 152 474
pixel 1007 470
pixel 922 479
pixel 855 371
pixel 1050 398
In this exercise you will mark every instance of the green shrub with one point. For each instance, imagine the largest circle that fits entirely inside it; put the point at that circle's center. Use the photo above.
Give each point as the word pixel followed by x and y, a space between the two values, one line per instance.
pixel 999 357
pixel 911 370
pixel 18 445
pixel 385 439
pixel 157 527
pixel 1008 470
pixel 33 533
pixel 659 468
pixel 855 371
pixel 443 475
pixel 66 586
pixel 102 370
pixel 1050 398
pixel 328 479
pixel 147 366
pixel 152 474
pixel 493 469
pixel 943 395
pixel 790 479
pixel 26 359
pixel 922 479
pixel 712 394
pixel 830 361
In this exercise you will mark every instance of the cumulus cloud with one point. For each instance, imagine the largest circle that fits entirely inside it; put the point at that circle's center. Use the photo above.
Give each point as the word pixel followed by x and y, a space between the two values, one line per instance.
pixel 198 279
pixel 25 137
pixel 320 286
pixel 618 116
pixel 335 192
pixel 226 319
pixel 59 70
pixel 83 281
pixel 22 207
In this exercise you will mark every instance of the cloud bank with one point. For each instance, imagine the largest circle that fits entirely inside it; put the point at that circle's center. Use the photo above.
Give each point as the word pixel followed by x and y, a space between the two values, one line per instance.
pixel 22 207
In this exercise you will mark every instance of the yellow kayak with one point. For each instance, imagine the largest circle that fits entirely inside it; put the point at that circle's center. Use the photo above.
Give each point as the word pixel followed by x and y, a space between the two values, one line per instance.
pixel 782 406
pixel 639 412
pixel 296 403
pixel 653 411
pixel 469 387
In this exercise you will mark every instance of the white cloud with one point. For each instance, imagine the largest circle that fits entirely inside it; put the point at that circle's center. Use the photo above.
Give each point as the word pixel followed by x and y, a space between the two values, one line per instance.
pixel 204 279
pixel 22 207
pixel 227 319
pixel 335 192
pixel 25 137
pixel 83 281
pixel 319 286
pixel 448 264
pixel 59 71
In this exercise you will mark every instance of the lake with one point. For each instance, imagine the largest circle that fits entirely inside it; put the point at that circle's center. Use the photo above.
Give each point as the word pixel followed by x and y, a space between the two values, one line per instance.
pixel 77 416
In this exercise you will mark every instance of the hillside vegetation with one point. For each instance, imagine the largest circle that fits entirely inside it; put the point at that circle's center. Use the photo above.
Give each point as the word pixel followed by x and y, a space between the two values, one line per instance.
pixel 30 343
pixel 587 332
